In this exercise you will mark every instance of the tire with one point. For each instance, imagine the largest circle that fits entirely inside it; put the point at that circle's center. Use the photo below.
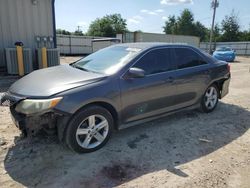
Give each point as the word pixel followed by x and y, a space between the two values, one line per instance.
pixel 210 99
pixel 89 129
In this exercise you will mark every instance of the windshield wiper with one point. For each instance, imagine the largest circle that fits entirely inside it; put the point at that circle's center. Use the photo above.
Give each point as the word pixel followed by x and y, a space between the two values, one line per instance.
pixel 81 68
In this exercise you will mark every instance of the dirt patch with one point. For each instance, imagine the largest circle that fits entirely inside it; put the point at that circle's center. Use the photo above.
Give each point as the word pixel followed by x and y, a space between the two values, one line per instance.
pixel 133 143
pixel 119 172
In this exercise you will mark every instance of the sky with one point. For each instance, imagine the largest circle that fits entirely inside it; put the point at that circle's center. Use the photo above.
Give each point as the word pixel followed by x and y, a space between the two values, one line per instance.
pixel 145 15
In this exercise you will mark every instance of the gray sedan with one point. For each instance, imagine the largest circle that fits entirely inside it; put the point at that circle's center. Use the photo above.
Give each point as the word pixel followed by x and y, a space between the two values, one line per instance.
pixel 114 88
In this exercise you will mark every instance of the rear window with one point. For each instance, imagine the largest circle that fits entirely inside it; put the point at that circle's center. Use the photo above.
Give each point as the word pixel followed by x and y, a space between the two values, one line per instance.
pixel 223 49
pixel 186 58
pixel 210 57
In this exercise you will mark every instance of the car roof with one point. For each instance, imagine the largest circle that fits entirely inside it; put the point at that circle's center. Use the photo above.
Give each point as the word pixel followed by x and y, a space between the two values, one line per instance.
pixel 147 45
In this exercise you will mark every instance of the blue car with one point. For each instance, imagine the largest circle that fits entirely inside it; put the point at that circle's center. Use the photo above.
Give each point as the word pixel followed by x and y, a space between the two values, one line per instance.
pixel 224 54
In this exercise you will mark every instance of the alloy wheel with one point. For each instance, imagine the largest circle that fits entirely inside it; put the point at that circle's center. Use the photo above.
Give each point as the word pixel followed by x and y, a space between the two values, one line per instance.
pixel 211 97
pixel 92 131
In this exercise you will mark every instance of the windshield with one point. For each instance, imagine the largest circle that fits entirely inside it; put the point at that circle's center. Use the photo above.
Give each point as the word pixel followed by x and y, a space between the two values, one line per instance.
pixel 108 60
pixel 223 49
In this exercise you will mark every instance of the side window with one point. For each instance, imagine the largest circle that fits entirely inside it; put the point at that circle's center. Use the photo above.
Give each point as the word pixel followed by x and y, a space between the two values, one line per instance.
pixel 155 61
pixel 187 58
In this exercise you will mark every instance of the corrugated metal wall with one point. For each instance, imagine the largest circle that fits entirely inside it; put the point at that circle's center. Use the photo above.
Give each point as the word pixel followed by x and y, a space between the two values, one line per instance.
pixel 75 45
pixel 241 48
pixel 155 37
pixel 21 20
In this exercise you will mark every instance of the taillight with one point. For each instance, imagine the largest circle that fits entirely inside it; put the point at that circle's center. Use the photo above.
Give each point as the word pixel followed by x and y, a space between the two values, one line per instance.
pixel 228 67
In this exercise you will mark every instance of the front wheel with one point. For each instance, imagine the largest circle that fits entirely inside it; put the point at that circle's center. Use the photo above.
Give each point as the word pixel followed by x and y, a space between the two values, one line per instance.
pixel 210 99
pixel 89 129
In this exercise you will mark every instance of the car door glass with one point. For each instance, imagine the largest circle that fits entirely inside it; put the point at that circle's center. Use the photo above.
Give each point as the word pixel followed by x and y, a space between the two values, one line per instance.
pixel 155 61
pixel 187 58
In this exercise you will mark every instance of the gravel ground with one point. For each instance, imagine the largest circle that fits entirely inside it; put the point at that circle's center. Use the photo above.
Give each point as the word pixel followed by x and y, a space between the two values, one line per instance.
pixel 188 149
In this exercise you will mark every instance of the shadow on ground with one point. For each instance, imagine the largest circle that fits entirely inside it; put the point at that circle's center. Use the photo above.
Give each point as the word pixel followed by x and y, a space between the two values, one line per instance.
pixel 159 145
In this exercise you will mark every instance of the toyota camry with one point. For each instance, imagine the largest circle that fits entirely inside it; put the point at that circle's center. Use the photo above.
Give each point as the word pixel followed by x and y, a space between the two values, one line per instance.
pixel 114 88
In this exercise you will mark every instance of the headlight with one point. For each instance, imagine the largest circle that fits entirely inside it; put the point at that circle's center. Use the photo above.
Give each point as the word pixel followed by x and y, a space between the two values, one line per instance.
pixel 30 106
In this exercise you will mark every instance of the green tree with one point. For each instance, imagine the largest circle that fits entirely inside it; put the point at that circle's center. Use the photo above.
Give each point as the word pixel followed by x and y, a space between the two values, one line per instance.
pixel 217 33
pixel 170 25
pixel 245 36
pixel 78 33
pixel 200 30
pixel 108 26
pixel 185 25
pixel 230 28
pixel 62 32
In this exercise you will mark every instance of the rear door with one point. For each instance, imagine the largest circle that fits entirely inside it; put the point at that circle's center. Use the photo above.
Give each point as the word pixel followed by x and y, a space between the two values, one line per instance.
pixel 153 94
pixel 191 76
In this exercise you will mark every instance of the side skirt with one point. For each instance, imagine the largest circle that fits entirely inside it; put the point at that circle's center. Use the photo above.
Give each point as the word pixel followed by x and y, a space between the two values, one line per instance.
pixel 138 122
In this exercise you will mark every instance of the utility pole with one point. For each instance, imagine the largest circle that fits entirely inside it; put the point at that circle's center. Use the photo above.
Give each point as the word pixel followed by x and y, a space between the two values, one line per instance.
pixel 78 28
pixel 214 5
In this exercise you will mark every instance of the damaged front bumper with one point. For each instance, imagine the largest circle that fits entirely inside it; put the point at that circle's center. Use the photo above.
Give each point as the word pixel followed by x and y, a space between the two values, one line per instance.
pixel 31 125
pixel 51 121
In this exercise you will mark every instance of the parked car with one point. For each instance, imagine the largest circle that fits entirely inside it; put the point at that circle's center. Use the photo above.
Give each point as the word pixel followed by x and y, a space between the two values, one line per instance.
pixel 224 54
pixel 114 88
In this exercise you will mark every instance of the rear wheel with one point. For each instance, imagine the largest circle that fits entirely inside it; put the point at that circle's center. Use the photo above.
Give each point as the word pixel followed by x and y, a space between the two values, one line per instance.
pixel 89 129
pixel 210 99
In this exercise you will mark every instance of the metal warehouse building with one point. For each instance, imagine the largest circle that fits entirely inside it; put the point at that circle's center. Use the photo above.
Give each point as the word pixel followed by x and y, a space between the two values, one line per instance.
pixel 31 22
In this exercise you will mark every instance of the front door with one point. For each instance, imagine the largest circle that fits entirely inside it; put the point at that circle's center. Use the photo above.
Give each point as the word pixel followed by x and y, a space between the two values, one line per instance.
pixel 152 94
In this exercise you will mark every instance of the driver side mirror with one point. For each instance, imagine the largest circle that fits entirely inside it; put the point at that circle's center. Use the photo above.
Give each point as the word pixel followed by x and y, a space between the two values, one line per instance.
pixel 134 73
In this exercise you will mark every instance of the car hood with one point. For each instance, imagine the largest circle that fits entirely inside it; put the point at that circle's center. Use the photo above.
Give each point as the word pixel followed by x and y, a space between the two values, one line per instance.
pixel 53 80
